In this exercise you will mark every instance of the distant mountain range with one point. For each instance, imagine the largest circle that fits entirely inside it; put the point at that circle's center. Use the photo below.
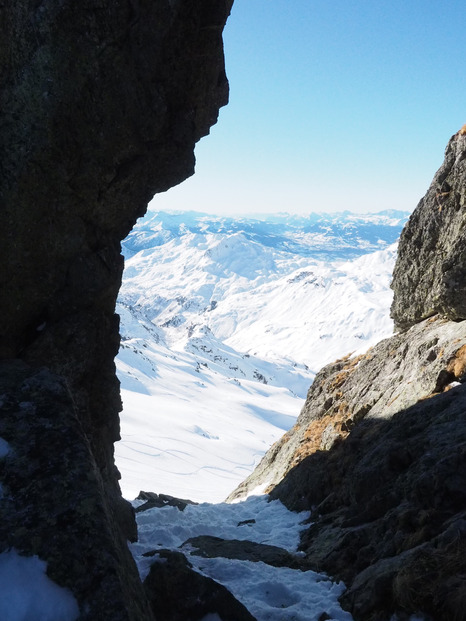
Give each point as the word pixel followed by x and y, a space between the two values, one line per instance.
pixel 342 234
pixel 224 323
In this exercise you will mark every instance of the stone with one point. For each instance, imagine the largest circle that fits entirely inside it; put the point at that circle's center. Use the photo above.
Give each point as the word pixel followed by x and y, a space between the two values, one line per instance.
pixel 178 593
pixel 209 546
pixel 161 500
pixel 430 271
pixel 393 375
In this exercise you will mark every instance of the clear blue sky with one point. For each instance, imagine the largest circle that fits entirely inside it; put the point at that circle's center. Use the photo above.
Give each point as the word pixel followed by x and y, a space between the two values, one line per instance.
pixel 334 104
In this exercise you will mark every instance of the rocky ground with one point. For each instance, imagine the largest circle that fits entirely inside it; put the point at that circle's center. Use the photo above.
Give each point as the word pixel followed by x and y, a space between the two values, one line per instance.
pixel 389 510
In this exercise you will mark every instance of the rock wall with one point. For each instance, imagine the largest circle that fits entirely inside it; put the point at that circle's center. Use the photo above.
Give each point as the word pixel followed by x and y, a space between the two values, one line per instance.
pixel 430 272
pixel 102 103
pixel 53 503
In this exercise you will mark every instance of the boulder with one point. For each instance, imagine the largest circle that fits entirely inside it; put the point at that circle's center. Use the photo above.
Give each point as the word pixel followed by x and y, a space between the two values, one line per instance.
pixel 161 500
pixel 430 271
pixel 178 593
pixel 209 546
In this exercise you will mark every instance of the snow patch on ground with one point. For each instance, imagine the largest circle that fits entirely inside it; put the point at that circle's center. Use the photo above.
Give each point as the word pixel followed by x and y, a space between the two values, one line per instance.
pixel 269 593
pixel 278 593
pixel 4 448
pixel 26 592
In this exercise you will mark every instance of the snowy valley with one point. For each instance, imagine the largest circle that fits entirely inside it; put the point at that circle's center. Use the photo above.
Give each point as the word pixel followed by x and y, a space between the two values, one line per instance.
pixel 224 323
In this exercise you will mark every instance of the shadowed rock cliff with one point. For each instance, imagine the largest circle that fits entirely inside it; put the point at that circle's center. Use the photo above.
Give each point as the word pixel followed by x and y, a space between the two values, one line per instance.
pixel 102 103
pixel 378 452
pixel 53 503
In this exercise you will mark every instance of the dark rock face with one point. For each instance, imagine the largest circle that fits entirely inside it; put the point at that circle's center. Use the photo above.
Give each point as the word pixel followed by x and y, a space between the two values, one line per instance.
pixel 53 504
pixel 430 272
pixel 102 103
pixel 178 592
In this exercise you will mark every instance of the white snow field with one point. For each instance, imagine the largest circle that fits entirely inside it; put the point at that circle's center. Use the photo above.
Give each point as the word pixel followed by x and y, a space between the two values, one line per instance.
pixel 224 324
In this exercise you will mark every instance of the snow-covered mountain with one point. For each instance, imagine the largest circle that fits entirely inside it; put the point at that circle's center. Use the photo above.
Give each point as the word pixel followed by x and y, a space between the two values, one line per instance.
pixel 224 323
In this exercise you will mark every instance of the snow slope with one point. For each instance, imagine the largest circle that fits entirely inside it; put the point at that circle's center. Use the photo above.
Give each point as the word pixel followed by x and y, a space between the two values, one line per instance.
pixel 224 324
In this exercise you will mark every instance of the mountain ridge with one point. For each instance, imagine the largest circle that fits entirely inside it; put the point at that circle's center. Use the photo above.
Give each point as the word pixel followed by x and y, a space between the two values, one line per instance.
pixel 275 230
